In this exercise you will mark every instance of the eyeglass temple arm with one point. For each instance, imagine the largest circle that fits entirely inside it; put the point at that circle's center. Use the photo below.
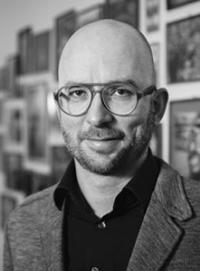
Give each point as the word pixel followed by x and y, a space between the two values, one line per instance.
pixel 56 95
pixel 147 91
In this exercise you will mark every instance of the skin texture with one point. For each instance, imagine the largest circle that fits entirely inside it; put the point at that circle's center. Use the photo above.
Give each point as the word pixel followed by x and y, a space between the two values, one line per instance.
pixel 108 149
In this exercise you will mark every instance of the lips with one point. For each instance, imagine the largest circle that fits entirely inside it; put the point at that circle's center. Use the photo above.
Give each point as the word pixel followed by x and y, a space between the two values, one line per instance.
pixel 98 134
pixel 102 145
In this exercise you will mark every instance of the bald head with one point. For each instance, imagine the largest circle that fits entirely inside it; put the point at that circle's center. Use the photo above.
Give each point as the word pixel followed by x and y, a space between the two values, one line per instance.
pixel 104 51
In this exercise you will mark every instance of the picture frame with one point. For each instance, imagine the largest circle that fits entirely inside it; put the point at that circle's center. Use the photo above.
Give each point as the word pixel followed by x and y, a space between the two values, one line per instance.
pixel 41 51
pixel 171 4
pixel 14 111
pixel 183 56
pixel 55 134
pixel 156 141
pixel 123 10
pixel 13 71
pixel 25 49
pixel 152 15
pixel 4 78
pixel 185 137
pixel 155 47
pixel 89 15
pixel 2 138
pixel 36 123
pixel 65 26
pixel 12 166
pixel 2 104
pixel 40 181
pixel 60 159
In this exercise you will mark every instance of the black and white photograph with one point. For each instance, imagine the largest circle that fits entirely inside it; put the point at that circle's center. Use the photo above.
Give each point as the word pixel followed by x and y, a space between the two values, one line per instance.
pixel 183 50
pixel 171 4
pixel 100 135
pixel 185 137
pixel 15 129
pixel 36 122
pixel 123 10
pixel 65 25
pixel 152 15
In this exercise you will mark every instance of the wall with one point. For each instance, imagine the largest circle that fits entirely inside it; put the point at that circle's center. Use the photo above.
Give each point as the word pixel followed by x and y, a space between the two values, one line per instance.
pixel 15 15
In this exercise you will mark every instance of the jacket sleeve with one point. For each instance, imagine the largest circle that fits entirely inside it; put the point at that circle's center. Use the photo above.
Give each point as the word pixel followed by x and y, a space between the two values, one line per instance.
pixel 7 258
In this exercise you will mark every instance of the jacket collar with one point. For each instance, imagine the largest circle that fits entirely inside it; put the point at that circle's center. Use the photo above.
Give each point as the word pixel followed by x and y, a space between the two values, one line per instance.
pixel 51 235
pixel 157 237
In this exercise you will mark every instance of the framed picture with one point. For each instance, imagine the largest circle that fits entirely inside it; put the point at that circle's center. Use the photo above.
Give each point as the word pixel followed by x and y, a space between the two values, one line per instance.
pixel 25 49
pixel 55 134
pixel 155 47
pixel 183 50
pixel 65 26
pixel 37 123
pixel 41 51
pixel 60 158
pixel 4 78
pixel 14 111
pixel 2 102
pixel 123 10
pixel 89 15
pixel 8 202
pixel 40 182
pixel 1 152
pixel 185 137
pixel 13 71
pixel 177 3
pixel 152 15
pixel 156 141
pixel 12 165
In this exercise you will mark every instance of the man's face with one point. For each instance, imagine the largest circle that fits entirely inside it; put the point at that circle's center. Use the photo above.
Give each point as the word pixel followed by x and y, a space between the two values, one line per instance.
pixel 100 141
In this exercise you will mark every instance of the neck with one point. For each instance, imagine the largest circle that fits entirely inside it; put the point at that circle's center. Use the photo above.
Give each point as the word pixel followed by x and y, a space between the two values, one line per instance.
pixel 100 191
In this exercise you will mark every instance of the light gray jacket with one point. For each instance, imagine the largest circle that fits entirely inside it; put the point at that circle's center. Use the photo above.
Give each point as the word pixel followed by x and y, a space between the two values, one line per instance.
pixel 169 238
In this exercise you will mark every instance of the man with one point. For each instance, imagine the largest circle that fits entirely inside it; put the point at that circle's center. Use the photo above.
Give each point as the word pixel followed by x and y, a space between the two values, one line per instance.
pixel 117 207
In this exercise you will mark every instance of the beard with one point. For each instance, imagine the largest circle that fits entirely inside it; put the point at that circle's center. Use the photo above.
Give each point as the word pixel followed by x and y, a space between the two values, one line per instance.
pixel 101 164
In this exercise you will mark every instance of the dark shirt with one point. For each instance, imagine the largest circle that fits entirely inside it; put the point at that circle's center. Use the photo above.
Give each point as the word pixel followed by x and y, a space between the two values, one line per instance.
pixel 105 243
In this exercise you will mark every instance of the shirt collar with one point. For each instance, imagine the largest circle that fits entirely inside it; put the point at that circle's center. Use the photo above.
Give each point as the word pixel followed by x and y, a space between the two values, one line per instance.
pixel 141 185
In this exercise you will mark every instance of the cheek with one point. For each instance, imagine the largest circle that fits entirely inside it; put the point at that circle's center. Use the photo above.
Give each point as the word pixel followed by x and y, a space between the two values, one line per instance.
pixel 70 125
pixel 133 125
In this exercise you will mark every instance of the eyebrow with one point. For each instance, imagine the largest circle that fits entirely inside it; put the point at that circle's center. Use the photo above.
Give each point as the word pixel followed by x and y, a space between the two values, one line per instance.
pixel 130 81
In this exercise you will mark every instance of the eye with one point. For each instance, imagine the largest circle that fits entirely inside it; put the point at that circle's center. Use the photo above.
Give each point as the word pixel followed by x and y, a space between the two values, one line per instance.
pixel 77 92
pixel 122 91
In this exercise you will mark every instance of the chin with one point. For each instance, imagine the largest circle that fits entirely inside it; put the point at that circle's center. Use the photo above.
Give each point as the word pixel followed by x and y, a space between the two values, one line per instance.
pixel 100 164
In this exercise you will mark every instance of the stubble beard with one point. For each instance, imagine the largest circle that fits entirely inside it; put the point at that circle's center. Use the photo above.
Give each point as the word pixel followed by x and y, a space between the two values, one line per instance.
pixel 104 166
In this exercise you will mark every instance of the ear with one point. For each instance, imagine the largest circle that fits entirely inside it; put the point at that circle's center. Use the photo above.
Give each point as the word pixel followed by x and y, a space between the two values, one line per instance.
pixel 58 113
pixel 159 103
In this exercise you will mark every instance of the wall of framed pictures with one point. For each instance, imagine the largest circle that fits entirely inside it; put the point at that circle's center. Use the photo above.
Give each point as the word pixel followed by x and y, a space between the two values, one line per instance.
pixel 175 43
pixel 32 152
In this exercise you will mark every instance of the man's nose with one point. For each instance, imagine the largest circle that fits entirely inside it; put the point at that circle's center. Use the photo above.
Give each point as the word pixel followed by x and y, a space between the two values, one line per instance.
pixel 97 113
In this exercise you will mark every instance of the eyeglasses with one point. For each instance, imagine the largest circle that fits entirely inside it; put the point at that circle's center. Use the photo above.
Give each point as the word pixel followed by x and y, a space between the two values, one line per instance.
pixel 119 98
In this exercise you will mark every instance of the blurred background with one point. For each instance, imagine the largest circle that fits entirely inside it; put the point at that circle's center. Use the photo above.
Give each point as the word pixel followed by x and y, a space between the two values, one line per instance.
pixel 33 33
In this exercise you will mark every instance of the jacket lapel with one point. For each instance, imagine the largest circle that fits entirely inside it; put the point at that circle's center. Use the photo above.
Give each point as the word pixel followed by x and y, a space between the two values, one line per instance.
pixel 51 237
pixel 159 234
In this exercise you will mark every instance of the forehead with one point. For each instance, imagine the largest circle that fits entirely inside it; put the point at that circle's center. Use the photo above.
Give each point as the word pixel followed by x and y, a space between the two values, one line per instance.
pixel 99 59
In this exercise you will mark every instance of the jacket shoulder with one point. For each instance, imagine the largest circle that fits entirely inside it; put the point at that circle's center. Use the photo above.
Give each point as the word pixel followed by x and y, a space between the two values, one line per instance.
pixel 34 206
pixel 192 190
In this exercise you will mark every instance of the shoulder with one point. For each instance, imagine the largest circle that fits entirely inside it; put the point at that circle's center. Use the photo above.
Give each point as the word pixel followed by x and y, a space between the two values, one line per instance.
pixel 33 209
pixel 176 184
pixel 192 189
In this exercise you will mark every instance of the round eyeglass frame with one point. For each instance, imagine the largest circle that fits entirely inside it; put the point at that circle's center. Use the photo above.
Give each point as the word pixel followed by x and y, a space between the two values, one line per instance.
pixel 146 91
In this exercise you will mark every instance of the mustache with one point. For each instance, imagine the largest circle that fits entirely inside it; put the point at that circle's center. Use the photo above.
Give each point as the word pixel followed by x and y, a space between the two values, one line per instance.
pixel 101 133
